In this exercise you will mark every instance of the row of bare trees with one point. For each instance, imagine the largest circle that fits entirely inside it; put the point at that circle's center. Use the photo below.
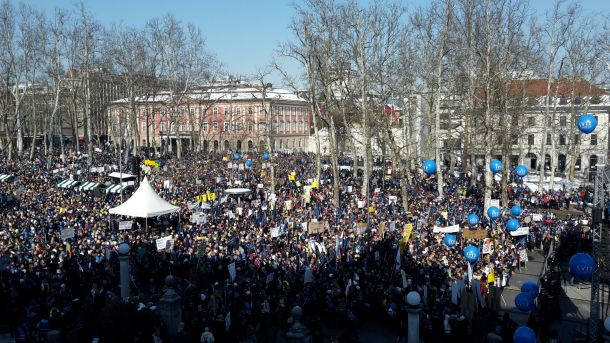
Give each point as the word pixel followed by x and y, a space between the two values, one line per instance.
pixel 53 68
pixel 461 65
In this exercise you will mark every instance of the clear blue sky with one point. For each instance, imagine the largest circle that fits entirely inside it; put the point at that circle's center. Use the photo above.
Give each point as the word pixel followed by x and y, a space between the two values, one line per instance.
pixel 244 34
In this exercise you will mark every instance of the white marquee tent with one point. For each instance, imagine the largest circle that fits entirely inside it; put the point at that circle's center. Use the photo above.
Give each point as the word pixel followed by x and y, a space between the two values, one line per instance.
pixel 144 203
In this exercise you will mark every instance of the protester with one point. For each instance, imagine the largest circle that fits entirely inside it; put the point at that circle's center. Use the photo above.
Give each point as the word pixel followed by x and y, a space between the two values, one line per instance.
pixel 340 262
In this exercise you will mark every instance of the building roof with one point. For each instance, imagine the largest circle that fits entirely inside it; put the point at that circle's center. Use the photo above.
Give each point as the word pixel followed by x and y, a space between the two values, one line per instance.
pixel 224 94
pixel 561 87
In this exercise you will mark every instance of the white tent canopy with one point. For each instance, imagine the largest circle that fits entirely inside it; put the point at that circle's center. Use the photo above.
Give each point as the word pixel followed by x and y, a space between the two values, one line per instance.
pixel 118 175
pixel 144 203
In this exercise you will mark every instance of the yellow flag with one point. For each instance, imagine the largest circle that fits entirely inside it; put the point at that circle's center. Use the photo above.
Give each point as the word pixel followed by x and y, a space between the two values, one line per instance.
pixel 406 234
pixel 291 177
pixel 62 210
pixel 211 196
pixel 314 184
pixel 371 209
pixel 263 173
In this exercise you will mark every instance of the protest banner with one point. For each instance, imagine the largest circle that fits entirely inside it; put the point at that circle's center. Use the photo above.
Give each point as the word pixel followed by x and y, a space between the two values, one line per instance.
pixel 495 202
pixel 488 246
pixel 316 227
pixel 448 229
pixel 67 233
pixel 537 217
pixel 125 225
pixel 165 243
pixel 275 232
pixel 522 231
pixel 474 234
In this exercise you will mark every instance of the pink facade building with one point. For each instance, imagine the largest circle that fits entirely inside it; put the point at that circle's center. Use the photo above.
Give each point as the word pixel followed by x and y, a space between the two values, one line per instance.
pixel 216 118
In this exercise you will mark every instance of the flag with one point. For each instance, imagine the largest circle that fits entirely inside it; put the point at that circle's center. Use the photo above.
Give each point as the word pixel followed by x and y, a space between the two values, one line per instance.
pixel 314 184
pixel 406 234
pixel 211 196
pixel 469 272
pixel 398 258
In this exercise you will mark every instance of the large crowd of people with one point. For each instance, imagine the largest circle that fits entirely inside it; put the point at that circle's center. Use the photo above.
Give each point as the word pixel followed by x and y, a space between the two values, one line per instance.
pixel 342 264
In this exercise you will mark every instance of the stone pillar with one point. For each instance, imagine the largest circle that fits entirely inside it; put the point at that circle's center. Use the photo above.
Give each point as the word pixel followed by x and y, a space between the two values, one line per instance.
pixel 413 310
pixel 298 333
pixel 169 308
pixel 124 270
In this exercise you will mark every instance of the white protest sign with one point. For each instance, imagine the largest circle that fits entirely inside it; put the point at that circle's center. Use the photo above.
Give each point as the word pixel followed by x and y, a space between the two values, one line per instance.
pixel 522 231
pixel 125 225
pixel 232 271
pixel 165 243
pixel 67 233
pixel 275 232
pixel 495 202
pixel 448 229
pixel 537 217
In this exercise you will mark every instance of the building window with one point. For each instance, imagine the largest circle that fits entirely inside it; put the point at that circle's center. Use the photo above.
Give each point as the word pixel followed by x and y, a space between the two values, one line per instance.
pixel 181 128
pixel 548 139
pixel 215 111
pixel 172 127
pixel 530 139
pixel 576 138
pixel 238 110
pixel 250 111
pixel 514 139
pixel 144 126
pixel 593 139
pixel 161 127
pixel 225 126
pixel 562 139
pixel 240 126
pixel 192 110
pixel 515 120
pixel 261 127
pixel 531 121
pixel 215 125
pixel 250 126
pixel 562 121
pixel 204 126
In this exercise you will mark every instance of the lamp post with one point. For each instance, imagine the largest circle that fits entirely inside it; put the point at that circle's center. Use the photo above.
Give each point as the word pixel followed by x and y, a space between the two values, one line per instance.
pixel 124 270
pixel 413 310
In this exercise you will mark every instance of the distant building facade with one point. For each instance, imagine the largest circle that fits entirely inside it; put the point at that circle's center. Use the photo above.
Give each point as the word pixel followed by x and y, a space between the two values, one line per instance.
pixel 217 117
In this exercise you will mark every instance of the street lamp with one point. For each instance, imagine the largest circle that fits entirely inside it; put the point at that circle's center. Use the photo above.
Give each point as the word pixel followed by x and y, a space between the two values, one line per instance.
pixel 124 270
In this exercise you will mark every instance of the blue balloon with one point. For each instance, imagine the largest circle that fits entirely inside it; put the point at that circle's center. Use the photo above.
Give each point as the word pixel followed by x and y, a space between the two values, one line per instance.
pixel 236 156
pixel 266 156
pixel 248 163
pixel 512 224
pixel 587 123
pixel 473 219
pixel 496 166
pixel 450 240
pixel 582 265
pixel 493 213
pixel 472 253
pixel 429 167
pixel 524 334
pixel 524 302
pixel 531 288
pixel 521 170
pixel 516 210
